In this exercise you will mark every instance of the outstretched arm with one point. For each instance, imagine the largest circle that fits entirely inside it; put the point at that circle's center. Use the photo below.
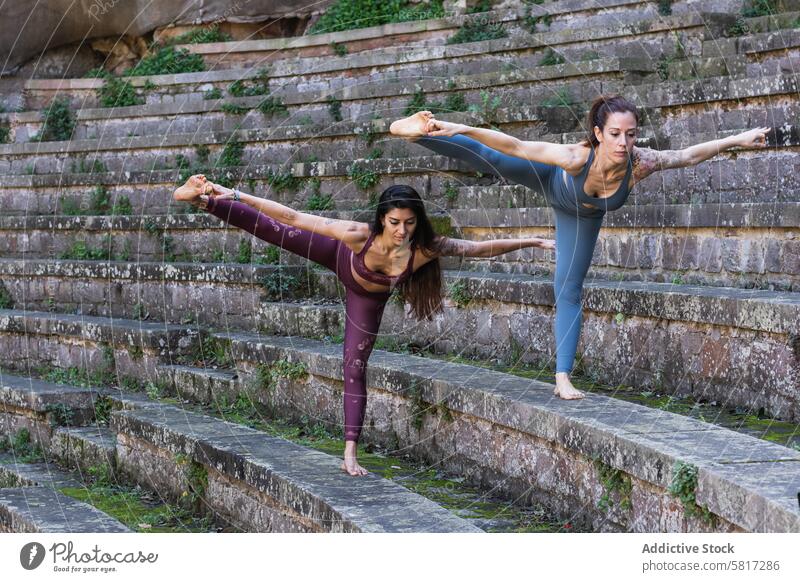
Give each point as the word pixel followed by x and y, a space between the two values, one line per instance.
pixel 456 247
pixel 347 231
pixel 646 160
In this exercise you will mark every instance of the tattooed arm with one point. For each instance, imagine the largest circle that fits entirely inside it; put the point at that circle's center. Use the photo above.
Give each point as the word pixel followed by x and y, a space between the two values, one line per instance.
pixel 646 161
pixel 456 247
pixel 347 231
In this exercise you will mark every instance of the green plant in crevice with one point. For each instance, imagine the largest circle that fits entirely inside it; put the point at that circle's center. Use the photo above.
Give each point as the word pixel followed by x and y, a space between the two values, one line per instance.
pixel 258 85
pixel 561 98
pixel 362 177
pixel 289 370
pixel 83 167
pixel 231 155
pixel 272 105
pixel 80 251
pixel 201 36
pixel 368 134
pixel 481 6
pixel 551 58
pixel 530 22
pixel 6 300
pixel 283 181
pixel 278 285
pixel 167 61
pixel 487 108
pixel 665 7
pixel 683 485
pixel 5 133
pixel 245 252
pixel 738 28
pixel 116 92
pixel 103 405
pixel 319 201
pixel 24 449
pixel 213 93
pixel 459 293
pixel 613 481
pixel 450 191
pixel 417 102
pixel 339 49
pixel 100 201
pixel 58 122
pixel 477 30
pixel 756 8
pixel 233 109
pixel 196 478
pixel 60 414
pixel 351 14
pixel 418 405
pixel 270 256
pixel 334 108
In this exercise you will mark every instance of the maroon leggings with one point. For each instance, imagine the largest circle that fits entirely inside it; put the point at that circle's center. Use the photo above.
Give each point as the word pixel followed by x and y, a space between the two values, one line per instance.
pixel 363 309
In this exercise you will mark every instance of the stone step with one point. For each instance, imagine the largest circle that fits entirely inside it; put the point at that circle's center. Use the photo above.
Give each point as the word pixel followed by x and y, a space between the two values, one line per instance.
pixel 109 347
pixel 15 473
pixel 201 384
pixel 295 144
pixel 39 406
pixel 267 483
pixel 736 176
pixel 309 110
pixel 647 36
pixel 733 245
pixel 43 510
pixel 728 65
pixel 729 244
pixel 249 351
pixel 83 448
pixel 465 412
pixel 735 346
pixel 285 486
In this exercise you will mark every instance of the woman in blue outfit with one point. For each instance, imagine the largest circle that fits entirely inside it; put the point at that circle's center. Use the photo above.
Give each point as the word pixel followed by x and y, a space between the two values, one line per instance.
pixel 581 182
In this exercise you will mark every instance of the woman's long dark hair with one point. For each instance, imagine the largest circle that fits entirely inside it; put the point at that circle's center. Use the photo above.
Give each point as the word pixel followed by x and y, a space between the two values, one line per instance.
pixel 423 289
pixel 601 108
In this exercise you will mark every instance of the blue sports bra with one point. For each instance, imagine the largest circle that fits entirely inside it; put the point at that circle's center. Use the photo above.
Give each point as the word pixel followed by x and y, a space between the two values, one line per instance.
pixel 613 202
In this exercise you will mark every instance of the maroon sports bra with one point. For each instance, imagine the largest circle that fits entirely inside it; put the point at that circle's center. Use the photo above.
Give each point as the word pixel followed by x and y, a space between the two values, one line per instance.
pixel 376 277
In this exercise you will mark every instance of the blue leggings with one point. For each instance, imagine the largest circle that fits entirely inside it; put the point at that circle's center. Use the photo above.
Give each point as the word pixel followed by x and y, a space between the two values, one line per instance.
pixel 577 228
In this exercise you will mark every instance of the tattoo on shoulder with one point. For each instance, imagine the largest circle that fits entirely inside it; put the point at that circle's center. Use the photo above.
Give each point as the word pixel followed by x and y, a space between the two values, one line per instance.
pixel 330 220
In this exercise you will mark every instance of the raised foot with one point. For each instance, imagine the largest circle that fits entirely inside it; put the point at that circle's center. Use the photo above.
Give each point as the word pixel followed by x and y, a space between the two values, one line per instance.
pixel 412 126
pixel 194 187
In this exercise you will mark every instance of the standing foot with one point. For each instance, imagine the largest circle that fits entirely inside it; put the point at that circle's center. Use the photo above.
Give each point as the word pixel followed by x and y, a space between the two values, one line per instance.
pixel 350 464
pixel 564 388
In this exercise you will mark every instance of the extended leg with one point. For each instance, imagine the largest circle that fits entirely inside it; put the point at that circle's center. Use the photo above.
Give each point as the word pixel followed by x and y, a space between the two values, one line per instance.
pixel 576 237
pixel 314 246
pixel 489 161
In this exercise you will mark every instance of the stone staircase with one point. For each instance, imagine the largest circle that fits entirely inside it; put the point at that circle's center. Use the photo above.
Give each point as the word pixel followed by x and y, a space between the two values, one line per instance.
pixel 692 291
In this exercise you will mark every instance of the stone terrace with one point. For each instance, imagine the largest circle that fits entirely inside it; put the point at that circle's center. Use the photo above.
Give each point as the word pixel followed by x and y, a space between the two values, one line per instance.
pixel 693 288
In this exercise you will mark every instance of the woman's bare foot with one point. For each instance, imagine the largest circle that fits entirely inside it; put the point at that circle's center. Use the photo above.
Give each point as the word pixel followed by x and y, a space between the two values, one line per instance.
pixel 194 187
pixel 350 464
pixel 413 126
pixel 564 388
